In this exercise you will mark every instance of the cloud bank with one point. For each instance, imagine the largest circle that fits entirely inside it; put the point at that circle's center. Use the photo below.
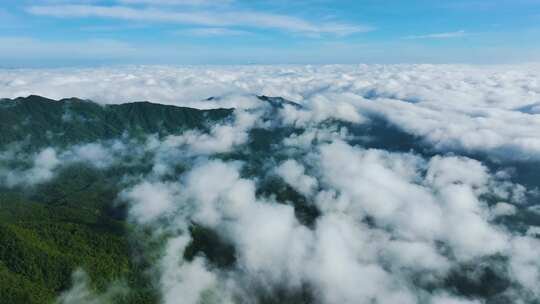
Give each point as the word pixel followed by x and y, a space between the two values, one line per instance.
pixel 473 109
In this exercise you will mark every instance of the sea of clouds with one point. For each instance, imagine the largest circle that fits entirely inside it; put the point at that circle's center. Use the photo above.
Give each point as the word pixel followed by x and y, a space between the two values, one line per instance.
pixel 393 226
pixel 471 108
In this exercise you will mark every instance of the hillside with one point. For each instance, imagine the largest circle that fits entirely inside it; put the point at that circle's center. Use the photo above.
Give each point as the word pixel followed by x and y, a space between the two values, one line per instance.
pixel 74 221
pixel 44 122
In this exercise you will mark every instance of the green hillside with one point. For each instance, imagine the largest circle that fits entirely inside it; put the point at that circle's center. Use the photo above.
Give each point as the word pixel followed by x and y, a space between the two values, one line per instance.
pixel 42 122
pixel 72 222
pixel 64 225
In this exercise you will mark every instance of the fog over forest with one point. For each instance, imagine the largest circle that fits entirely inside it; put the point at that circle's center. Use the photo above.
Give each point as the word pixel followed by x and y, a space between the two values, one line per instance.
pixel 280 184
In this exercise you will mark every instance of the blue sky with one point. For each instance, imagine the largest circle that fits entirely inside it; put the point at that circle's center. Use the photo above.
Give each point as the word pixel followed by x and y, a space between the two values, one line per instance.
pixel 102 32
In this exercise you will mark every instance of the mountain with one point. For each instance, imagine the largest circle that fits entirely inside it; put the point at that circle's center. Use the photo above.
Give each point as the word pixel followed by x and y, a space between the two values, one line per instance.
pixel 50 230
pixel 44 122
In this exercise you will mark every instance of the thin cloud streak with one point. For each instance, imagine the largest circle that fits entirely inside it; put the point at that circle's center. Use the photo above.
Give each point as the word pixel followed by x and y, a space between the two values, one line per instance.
pixel 448 35
pixel 212 32
pixel 219 19
pixel 179 2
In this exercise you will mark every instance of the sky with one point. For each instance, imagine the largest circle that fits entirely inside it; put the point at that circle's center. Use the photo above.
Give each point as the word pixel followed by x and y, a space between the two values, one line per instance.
pixel 60 33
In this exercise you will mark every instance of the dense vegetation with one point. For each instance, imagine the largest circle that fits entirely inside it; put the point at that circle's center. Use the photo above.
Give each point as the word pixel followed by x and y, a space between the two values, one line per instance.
pixel 75 221
pixel 49 232
pixel 72 222
pixel 40 122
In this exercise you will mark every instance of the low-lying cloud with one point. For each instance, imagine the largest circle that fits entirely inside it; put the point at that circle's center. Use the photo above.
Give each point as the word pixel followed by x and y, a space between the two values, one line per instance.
pixel 463 108
pixel 318 215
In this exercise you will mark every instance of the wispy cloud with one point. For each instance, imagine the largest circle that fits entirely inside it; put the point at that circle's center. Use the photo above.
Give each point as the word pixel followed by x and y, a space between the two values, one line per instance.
pixel 178 2
pixel 113 28
pixel 212 31
pixel 446 35
pixel 204 18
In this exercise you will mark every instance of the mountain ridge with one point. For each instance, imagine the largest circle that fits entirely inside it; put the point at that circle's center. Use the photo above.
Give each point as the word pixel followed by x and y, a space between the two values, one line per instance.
pixel 43 121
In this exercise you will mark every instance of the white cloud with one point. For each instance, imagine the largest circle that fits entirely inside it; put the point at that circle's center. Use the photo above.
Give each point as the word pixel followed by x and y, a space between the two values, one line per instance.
pixel 212 31
pixel 503 209
pixel 184 280
pixel 523 266
pixel 151 200
pixel 321 108
pixel 94 154
pixel 453 170
pixel 459 108
pixel 221 138
pixel 414 204
pixel 178 2
pixel 43 167
pixel 447 35
pixel 45 164
pixel 293 174
pixel 205 18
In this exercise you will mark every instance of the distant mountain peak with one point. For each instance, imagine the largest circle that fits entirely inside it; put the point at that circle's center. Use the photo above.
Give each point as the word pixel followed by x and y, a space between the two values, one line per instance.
pixel 278 102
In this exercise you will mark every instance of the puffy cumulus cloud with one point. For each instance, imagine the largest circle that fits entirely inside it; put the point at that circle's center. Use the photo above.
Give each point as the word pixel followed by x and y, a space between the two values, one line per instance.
pixel 444 171
pixel 221 138
pixel 387 220
pixel 150 200
pixel 273 249
pixel 523 267
pixel 229 193
pixel 322 108
pixel 344 259
pixel 269 240
pixel 96 154
pixel 193 144
pixel 42 166
pixel 186 282
pixel 503 209
pixel 293 174
pixel 372 182
pixel 500 133
pixel 464 108
pixel 444 202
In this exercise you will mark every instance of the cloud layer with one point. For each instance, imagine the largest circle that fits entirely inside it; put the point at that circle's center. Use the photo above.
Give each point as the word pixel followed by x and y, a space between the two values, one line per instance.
pixel 471 109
